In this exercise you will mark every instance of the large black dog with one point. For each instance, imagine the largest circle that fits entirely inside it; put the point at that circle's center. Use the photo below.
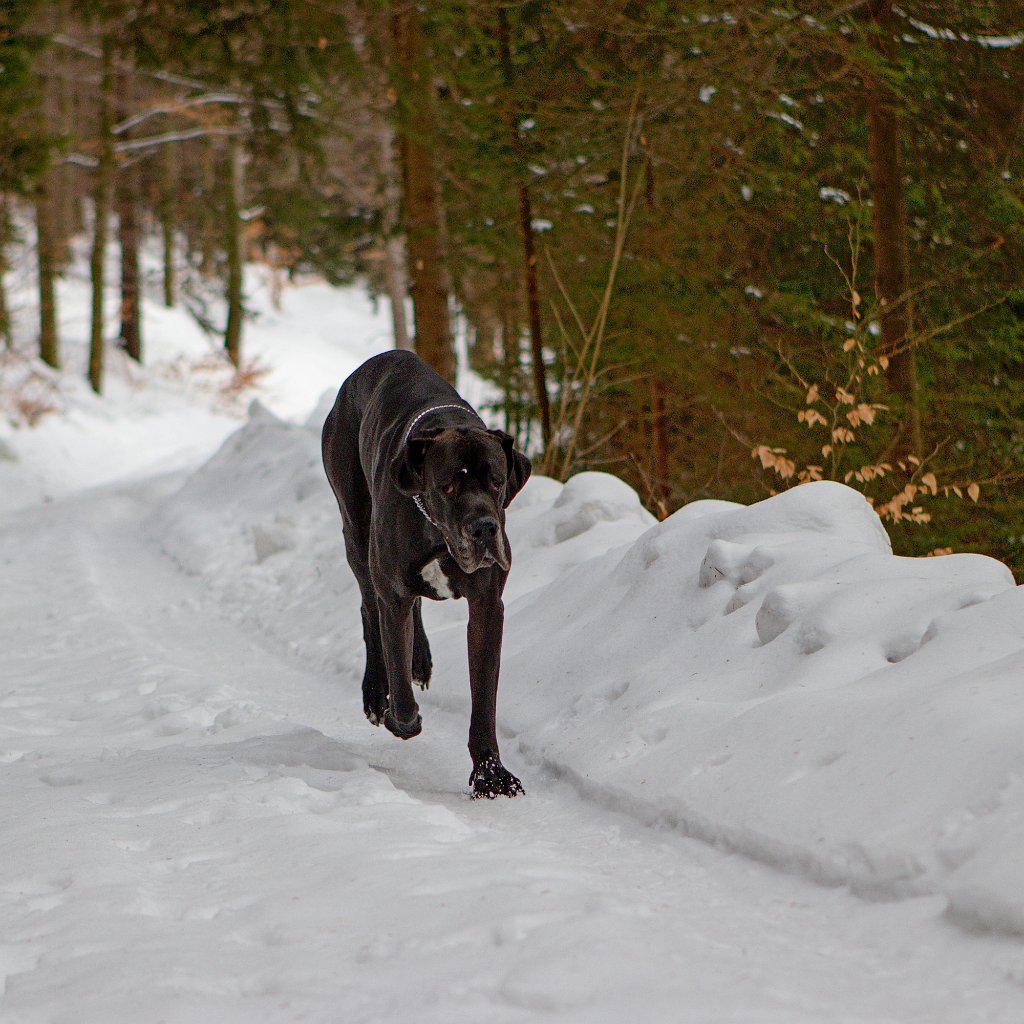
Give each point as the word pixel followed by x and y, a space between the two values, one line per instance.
pixel 423 485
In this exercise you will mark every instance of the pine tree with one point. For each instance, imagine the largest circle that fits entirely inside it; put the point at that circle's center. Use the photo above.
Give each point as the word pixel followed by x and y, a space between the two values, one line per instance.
pixel 25 145
pixel 102 196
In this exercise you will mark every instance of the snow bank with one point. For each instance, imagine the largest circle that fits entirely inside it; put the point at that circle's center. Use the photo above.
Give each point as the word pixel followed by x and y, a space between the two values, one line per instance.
pixel 770 678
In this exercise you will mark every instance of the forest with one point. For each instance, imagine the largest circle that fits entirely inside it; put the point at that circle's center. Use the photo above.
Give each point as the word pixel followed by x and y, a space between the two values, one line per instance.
pixel 715 249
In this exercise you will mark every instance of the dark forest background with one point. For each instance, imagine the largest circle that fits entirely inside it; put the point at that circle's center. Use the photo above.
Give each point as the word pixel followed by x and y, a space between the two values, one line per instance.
pixel 716 249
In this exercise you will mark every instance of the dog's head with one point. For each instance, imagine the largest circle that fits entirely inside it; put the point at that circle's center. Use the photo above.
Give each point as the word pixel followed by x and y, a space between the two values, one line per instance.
pixel 465 478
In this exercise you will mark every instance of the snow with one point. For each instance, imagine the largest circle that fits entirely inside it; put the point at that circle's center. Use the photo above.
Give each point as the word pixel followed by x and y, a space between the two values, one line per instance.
pixel 986 41
pixel 774 772
pixel 837 195
pixel 785 118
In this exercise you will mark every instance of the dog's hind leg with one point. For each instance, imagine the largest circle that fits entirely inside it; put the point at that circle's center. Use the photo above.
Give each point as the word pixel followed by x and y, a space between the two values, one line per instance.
pixel 422 663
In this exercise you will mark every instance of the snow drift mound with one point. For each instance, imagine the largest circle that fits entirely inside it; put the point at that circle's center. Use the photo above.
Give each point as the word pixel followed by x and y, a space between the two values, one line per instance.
pixel 768 677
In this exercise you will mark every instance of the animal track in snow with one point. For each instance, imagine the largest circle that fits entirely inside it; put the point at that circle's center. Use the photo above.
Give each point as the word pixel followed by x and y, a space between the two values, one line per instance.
pixel 742 565
pixel 58 780
pixel 784 605
pixel 639 741
pixel 902 647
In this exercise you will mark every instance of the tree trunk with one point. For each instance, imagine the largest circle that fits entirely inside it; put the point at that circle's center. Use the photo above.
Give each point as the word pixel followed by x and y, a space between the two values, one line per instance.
pixel 430 283
pixel 540 386
pixel 5 315
pixel 104 188
pixel 128 238
pixel 50 252
pixel 659 423
pixel 46 256
pixel 167 212
pixel 210 217
pixel 510 365
pixel 233 244
pixel 394 245
pixel 889 224
pixel 71 221
pixel 649 248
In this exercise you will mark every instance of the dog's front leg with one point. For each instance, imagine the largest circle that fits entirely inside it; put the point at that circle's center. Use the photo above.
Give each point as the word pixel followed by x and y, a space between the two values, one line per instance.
pixel 489 778
pixel 396 631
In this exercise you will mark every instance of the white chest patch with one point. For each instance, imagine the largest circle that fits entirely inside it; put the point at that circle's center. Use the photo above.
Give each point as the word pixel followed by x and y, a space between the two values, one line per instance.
pixel 433 575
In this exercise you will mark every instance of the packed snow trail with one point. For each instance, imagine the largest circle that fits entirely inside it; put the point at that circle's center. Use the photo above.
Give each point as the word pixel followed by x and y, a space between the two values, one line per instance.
pixel 196 829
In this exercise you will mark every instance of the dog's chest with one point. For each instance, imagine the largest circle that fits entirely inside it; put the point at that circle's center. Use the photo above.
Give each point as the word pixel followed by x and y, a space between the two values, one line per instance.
pixel 439 586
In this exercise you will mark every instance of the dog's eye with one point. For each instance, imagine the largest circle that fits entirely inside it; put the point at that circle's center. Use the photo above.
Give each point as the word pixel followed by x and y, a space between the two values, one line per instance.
pixel 450 489
pixel 495 485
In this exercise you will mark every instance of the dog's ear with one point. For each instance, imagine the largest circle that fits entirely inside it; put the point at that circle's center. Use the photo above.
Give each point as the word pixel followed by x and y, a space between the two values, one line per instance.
pixel 407 465
pixel 519 467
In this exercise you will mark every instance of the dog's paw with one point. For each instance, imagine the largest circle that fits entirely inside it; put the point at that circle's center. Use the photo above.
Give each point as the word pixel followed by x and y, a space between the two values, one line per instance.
pixel 421 670
pixel 375 712
pixel 403 730
pixel 490 779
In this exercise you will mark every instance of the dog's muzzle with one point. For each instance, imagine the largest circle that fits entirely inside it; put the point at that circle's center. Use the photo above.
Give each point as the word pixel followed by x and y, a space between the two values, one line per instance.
pixel 482 545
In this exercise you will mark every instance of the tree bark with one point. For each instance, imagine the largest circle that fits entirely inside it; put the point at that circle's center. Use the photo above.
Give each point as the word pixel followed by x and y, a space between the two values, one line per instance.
pixel 659 423
pixel 167 213
pixel 233 244
pixel 395 279
pixel 889 224
pixel 430 284
pixel 50 252
pixel 511 362
pixel 526 234
pixel 5 315
pixel 71 220
pixel 128 237
pixel 46 258
pixel 101 206
pixel 210 219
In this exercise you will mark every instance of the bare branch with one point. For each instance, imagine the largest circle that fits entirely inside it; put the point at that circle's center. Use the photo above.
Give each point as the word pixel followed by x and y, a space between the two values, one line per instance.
pixel 175 108
pixel 152 141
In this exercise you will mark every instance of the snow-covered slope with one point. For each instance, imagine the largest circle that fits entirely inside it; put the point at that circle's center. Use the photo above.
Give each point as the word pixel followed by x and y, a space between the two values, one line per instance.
pixel 769 678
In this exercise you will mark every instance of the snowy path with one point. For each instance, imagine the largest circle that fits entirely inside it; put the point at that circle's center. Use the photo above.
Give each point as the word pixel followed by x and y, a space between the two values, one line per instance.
pixel 193 828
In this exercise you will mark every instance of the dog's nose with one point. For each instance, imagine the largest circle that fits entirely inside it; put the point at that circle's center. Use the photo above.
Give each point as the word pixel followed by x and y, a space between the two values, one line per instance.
pixel 484 530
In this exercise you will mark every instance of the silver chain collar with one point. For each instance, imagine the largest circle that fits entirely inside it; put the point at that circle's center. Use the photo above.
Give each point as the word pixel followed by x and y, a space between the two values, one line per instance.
pixel 427 412
pixel 418 502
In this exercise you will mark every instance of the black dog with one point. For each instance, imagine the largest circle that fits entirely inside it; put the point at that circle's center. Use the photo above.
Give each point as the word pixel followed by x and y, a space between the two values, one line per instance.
pixel 423 486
